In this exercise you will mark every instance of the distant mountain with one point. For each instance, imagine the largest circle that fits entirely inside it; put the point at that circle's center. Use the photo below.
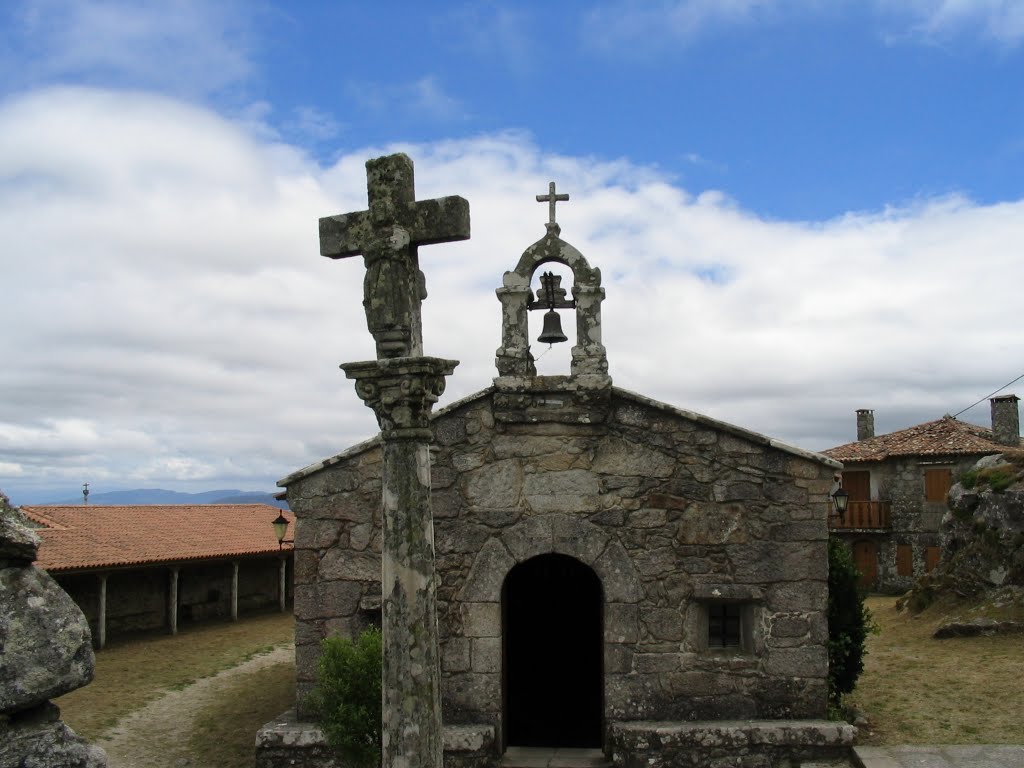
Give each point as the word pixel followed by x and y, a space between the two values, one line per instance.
pixel 161 496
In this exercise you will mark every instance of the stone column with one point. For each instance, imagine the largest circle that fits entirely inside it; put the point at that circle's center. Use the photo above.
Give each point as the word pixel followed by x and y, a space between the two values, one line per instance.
pixel 172 601
pixel 588 356
pixel 101 621
pixel 401 392
pixel 234 591
pixel 282 585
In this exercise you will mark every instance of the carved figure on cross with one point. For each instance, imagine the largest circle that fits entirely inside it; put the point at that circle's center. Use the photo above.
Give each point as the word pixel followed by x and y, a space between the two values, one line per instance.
pixel 388 235
pixel 552 199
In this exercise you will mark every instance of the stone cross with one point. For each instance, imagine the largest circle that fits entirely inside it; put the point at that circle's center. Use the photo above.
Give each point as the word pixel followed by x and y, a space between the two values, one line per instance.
pixel 401 386
pixel 552 199
pixel 387 235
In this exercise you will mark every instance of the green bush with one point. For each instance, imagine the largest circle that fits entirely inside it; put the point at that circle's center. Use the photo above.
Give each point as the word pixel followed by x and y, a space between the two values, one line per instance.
pixel 849 623
pixel 347 697
pixel 998 478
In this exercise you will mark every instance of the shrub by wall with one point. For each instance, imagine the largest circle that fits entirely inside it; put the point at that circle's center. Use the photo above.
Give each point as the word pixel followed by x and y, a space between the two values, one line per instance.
pixel 849 623
pixel 347 698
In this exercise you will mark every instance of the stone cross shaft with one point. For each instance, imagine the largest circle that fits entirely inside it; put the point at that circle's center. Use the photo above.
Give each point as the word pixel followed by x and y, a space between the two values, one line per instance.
pixel 401 393
pixel 388 235
pixel 552 199
pixel 401 386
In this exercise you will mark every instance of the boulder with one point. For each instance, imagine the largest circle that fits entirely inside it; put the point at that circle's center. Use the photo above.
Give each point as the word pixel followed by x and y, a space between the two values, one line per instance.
pixel 37 738
pixel 982 537
pixel 47 646
pixel 18 543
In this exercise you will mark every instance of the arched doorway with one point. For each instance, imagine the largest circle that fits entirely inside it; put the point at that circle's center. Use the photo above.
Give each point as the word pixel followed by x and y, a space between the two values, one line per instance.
pixel 553 677
pixel 865 557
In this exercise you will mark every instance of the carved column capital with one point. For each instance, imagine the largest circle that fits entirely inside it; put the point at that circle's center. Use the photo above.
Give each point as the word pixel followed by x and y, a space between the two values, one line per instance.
pixel 401 391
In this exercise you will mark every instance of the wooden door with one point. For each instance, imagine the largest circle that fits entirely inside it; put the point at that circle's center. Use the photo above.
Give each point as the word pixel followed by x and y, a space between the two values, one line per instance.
pixel 865 557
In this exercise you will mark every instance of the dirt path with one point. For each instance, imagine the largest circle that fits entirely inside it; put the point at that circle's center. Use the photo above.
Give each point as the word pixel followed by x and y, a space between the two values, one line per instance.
pixel 157 735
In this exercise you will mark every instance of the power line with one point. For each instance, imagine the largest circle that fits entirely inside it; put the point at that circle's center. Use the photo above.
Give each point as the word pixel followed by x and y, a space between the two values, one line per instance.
pixel 986 397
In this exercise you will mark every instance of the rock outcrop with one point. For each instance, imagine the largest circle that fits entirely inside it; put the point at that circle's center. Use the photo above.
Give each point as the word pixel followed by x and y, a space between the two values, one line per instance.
pixel 982 538
pixel 45 651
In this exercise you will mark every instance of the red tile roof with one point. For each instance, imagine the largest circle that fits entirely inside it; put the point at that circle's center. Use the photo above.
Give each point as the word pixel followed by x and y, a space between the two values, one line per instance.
pixel 944 437
pixel 83 537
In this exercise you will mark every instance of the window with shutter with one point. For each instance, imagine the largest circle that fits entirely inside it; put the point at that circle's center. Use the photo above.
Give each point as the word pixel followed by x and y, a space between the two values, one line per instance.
pixel 904 560
pixel 857 483
pixel 937 483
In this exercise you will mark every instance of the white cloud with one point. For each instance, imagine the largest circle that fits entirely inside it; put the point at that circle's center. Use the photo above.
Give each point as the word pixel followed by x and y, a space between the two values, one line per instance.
pixel 940 20
pixel 169 320
pixel 490 31
pixel 640 27
pixel 192 47
pixel 312 123
pixel 424 98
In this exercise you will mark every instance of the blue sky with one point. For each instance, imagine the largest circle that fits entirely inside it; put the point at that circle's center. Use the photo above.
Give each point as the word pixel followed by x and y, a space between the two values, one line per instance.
pixel 800 110
pixel 735 164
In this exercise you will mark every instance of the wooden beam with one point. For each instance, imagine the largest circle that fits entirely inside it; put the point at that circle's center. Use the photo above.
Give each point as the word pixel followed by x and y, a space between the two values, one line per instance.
pixel 282 587
pixel 234 591
pixel 101 621
pixel 173 601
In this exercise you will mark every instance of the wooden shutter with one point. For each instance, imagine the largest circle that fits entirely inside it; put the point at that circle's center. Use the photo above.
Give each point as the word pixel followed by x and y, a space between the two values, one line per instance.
pixel 857 484
pixel 937 483
pixel 931 558
pixel 904 560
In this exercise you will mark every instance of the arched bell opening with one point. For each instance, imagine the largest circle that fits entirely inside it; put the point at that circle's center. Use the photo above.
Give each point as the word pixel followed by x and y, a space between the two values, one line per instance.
pixel 552 357
pixel 552 649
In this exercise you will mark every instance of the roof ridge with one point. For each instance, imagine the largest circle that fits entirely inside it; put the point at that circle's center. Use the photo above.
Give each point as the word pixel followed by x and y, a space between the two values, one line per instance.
pixel 947 435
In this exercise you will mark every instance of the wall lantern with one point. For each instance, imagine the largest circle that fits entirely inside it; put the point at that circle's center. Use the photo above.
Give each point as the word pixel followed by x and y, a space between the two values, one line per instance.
pixel 280 529
pixel 550 296
pixel 840 501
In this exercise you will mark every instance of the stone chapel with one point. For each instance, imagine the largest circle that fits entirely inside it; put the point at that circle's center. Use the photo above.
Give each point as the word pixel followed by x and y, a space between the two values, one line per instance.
pixel 613 572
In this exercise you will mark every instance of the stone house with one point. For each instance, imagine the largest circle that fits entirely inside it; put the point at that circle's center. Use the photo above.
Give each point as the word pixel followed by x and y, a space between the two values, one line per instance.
pixel 607 564
pixel 898 484
pixel 135 568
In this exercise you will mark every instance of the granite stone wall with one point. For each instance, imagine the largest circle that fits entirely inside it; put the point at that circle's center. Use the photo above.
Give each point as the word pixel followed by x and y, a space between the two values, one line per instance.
pixel 673 511
pixel 916 522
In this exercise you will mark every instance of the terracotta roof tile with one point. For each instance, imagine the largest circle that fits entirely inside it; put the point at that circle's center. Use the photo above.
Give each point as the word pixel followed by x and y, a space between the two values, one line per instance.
pixel 76 537
pixel 944 437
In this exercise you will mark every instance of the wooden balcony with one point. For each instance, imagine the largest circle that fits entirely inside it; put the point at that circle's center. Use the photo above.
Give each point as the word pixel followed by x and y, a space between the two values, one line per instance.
pixel 864 515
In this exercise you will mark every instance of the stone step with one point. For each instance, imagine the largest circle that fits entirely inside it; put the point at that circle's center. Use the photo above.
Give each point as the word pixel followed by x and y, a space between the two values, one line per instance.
pixel 553 757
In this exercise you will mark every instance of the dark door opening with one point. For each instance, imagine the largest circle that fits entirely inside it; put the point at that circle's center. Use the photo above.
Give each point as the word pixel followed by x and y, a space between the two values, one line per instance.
pixel 553 653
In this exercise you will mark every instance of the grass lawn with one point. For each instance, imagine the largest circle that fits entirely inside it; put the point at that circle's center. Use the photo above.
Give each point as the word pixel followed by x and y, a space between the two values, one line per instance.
pixel 918 690
pixel 226 728
pixel 131 673
pixel 915 690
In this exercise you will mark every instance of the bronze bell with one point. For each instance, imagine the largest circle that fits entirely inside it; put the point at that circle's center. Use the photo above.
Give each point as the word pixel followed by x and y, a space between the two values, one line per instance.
pixel 552 333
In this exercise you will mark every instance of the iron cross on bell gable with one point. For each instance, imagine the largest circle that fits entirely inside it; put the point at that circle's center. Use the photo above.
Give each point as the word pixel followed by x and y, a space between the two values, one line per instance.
pixel 388 235
pixel 552 200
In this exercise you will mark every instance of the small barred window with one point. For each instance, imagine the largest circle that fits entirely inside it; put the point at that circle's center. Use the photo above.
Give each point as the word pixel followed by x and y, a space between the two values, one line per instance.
pixel 724 626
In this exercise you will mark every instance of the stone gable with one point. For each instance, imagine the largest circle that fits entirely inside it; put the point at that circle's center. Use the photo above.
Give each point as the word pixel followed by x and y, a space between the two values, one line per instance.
pixel 672 511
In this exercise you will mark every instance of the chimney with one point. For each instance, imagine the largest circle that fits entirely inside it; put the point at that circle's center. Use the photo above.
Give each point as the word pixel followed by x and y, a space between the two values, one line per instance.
pixel 1006 420
pixel 866 424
